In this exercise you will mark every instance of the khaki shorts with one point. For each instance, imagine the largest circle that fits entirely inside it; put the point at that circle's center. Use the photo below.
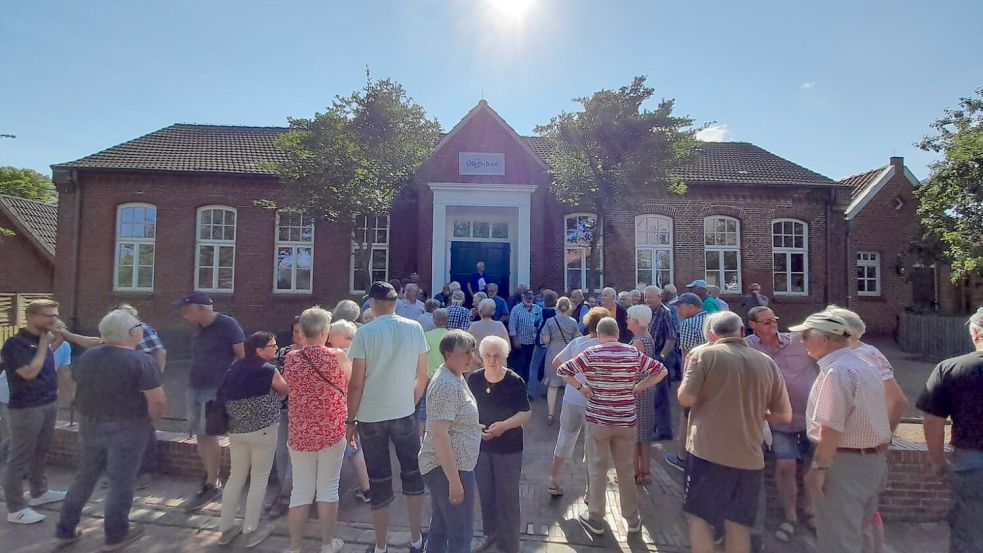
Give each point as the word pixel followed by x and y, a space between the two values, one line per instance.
pixel 573 420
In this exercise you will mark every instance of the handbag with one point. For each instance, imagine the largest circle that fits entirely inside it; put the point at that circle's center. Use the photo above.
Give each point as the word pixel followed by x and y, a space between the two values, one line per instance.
pixel 216 416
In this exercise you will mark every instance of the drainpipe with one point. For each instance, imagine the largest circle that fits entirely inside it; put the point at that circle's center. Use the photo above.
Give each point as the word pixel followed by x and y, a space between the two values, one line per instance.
pixel 76 246
pixel 829 239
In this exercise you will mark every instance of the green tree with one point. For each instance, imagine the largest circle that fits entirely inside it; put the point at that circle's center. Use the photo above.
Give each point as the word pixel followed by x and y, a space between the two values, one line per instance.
pixel 27 183
pixel 610 150
pixel 951 200
pixel 356 158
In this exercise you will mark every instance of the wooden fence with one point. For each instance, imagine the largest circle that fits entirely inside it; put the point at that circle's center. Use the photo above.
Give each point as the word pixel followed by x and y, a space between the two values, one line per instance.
pixel 12 316
pixel 935 336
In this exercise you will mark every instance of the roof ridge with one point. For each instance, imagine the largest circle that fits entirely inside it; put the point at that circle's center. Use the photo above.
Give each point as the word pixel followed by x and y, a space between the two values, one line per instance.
pixel 221 126
pixel 867 172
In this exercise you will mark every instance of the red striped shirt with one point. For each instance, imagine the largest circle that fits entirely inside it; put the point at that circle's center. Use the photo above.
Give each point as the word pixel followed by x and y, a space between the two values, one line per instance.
pixel 611 371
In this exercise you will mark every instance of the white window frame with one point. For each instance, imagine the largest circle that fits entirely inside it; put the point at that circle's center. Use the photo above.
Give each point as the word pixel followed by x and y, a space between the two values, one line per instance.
pixel 375 246
pixel 217 244
pixel 295 246
pixel 582 285
pixel 654 248
pixel 873 260
pixel 721 250
pixel 788 252
pixel 136 243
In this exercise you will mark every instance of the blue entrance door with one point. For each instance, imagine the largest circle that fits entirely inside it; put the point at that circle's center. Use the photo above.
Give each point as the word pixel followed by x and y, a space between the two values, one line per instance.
pixel 465 255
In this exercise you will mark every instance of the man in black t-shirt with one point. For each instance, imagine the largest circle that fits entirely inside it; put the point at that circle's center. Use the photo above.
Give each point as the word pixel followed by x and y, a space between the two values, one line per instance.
pixel 216 345
pixel 955 390
pixel 118 393
pixel 28 360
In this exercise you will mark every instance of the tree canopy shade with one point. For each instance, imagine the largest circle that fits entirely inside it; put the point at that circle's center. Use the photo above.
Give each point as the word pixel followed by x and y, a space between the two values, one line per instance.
pixel 27 183
pixel 613 148
pixel 951 199
pixel 356 157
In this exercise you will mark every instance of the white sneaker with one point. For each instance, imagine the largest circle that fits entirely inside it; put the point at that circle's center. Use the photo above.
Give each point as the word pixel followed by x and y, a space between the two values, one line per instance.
pixel 50 496
pixel 25 516
pixel 335 546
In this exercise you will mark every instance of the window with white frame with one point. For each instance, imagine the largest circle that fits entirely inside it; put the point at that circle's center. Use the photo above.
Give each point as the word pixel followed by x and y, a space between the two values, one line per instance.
pixel 722 252
pixel 370 251
pixel 579 231
pixel 790 257
pixel 653 250
pixel 868 274
pixel 294 252
pixel 136 235
pixel 215 249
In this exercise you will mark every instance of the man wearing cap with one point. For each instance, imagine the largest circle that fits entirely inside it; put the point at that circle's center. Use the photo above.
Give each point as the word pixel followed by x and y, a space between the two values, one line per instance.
pixel 389 376
pixel 689 307
pixel 847 420
pixel 790 444
pixel 955 390
pixel 217 343
pixel 701 289
pixel 732 390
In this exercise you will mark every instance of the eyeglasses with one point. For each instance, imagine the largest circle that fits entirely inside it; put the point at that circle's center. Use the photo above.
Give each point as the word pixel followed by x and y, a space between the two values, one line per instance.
pixel 768 322
pixel 267 346
pixel 138 325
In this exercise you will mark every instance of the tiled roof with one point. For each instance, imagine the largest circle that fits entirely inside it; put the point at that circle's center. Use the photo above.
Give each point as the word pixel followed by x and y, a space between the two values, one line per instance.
pixel 859 182
pixel 39 219
pixel 241 150
pixel 192 148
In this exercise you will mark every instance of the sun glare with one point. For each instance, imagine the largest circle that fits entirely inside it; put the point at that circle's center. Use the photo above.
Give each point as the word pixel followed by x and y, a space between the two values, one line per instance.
pixel 511 8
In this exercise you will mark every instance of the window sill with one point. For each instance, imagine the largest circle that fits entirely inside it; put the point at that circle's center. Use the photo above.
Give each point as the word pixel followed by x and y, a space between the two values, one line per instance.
pixel 878 298
pixel 293 294
pixel 133 292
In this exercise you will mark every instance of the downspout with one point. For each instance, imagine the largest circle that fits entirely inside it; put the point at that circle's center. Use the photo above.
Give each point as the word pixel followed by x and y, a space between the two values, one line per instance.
pixel 829 240
pixel 76 246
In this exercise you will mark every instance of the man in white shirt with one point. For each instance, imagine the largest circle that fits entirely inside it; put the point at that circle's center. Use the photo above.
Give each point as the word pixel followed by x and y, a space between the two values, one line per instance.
pixel 410 306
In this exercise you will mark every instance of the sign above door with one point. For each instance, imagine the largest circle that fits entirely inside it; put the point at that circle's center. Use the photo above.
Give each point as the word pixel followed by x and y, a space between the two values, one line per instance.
pixel 478 163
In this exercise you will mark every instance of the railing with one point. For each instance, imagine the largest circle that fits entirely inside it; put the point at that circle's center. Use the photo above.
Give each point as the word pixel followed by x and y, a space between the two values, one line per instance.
pixel 936 336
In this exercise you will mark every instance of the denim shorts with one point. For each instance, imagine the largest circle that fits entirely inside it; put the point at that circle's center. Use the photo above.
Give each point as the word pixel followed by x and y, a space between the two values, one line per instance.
pixel 421 409
pixel 791 446
pixel 375 438
pixel 195 400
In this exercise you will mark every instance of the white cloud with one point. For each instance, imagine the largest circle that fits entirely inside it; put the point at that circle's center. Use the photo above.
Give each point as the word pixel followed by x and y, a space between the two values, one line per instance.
pixel 808 85
pixel 718 132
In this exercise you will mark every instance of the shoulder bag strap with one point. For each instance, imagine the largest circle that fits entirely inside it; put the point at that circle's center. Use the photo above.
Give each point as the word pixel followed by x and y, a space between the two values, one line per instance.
pixel 321 375
pixel 560 328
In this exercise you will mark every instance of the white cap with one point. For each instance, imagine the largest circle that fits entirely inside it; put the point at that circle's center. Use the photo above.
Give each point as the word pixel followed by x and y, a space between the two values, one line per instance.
pixel 825 322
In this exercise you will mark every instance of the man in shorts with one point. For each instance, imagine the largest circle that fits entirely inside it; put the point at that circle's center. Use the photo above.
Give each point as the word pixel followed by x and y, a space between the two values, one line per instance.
pixel 790 444
pixel 731 391
pixel 389 376
pixel 215 346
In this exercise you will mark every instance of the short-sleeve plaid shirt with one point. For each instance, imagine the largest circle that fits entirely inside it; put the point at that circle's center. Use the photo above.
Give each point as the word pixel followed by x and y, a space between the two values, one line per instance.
pixel 663 327
pixel 458 317
pixel 151 341
pixel 524 322
pixel 848 396
pixel 691 332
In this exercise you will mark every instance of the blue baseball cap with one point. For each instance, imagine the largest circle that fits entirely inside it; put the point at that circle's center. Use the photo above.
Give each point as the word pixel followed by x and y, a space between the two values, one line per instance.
pixel 700 283
pixel 196 297
pixel 690 298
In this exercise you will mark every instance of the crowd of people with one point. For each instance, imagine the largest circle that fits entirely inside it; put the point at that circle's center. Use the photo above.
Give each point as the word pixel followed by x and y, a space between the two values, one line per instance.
pixel 449 389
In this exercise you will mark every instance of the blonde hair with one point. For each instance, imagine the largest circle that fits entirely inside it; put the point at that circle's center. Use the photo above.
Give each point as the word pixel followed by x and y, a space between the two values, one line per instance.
pixel 564 305
pixel 36 306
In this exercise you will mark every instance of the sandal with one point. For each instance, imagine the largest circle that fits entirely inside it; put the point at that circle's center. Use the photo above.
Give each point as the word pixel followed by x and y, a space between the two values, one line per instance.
pixel 785 531
pixel 555 490
pixel 549 420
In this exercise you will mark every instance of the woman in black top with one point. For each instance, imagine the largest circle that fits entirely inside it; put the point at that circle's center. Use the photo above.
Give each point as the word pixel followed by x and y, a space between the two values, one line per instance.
pixel 503 409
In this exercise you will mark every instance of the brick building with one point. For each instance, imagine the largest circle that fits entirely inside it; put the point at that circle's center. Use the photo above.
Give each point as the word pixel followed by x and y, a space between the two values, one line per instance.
pixel 27 256
pixel 150 219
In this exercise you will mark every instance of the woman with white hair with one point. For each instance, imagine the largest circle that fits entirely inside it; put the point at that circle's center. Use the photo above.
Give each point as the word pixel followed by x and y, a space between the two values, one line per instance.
pixel 639 317
pixel 317 377
pixel 346 310
pixel 486 326
pixel 503 410
pixel 557 332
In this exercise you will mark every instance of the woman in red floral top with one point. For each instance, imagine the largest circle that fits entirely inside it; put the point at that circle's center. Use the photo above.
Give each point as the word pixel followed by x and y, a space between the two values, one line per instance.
pixel 317 377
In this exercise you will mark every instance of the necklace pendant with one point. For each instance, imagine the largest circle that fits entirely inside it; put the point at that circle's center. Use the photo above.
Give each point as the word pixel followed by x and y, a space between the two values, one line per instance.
pixel 487 389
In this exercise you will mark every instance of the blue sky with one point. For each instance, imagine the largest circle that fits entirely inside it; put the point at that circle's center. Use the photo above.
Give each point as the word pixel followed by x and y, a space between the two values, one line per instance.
pixel 836 86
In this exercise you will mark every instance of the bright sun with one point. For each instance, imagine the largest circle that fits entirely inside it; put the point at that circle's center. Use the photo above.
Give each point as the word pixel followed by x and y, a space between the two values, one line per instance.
pixel 512 8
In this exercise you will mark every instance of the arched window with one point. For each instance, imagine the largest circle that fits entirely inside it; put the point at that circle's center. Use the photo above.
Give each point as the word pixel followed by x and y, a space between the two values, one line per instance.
pixel 215 248
pixel 136 236
pixel 790 254
pixel 370 252
pixel 653 250
pixel 294 264
pixel 579 229
pixel 722 252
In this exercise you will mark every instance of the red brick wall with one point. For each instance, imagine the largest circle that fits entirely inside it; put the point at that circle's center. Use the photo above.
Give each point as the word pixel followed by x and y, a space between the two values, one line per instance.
pixel 23 269
pixel 883 228
pixel 177 198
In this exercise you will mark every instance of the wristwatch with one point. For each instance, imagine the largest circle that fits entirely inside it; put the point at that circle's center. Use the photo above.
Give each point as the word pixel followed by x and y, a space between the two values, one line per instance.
pixel 816 466
pixel 351 423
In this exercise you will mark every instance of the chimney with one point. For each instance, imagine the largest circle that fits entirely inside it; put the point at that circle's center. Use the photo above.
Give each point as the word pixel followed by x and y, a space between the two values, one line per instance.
pixel 897 162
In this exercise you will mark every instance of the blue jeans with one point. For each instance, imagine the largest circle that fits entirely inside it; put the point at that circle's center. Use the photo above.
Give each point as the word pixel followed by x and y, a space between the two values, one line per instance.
pixel 451 526
pixel 534 386
pixel 663 410
pixel 967 511
pixel 151 459
pixel 116 449
pixel 284 472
